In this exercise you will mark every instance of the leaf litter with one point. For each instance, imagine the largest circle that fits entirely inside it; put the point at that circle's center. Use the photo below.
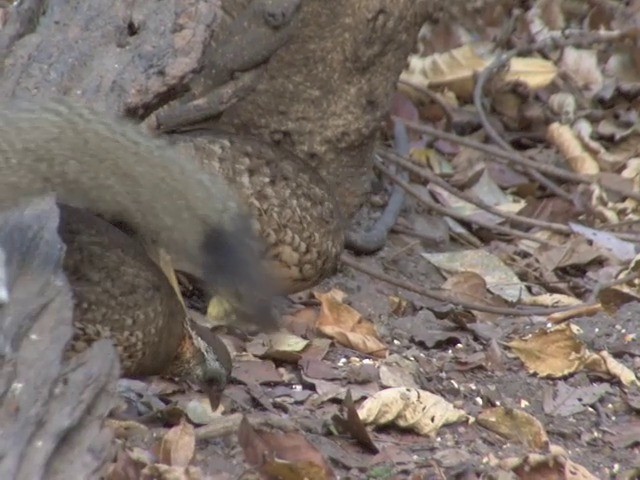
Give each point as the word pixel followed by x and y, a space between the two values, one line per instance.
pixel 532 201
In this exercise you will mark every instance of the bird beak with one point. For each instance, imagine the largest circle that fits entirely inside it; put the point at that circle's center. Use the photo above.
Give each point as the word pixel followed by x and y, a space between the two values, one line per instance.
pixel 215 395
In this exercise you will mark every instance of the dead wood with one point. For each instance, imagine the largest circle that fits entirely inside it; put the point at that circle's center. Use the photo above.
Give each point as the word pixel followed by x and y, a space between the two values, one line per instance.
pixel 51 410
pixel 327 90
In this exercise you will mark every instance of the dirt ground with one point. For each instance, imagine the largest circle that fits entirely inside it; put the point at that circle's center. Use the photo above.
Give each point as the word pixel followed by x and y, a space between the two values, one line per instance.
pixel 469 366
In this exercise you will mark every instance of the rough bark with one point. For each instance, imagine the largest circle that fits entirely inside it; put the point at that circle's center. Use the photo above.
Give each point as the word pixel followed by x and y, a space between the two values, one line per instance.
pixel 324 94
pixel 128 56
pixel 328 89
pixel 51 409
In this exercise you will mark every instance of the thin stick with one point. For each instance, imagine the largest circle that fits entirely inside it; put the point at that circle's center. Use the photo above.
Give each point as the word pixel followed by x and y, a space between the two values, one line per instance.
pixel 452 213
pixel 517 158
pixel 350 262
pixel 432 177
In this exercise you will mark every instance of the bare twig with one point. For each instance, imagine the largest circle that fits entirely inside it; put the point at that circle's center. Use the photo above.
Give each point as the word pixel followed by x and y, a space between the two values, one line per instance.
pixel 560 39
pixel 484 76
pixel 347 260
pixel 433 96
pixel 177 117
pixel 516 158
pixel 452 213
pixel 629 277
pixel 579 311
pixel 432 177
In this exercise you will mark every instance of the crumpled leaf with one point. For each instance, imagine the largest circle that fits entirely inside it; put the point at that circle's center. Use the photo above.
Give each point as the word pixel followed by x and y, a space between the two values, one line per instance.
pixel 581 65
pixel 555 464
pixel 499 278
pixel 411 408
pixel 603 362
pixel 558 352
pixel 282 456
pixel 552 353
pixel 282 346
pixel 167 472
pixel 346 325
pixel 178 445
pixel 456 69
pixel 515 425
pixel 577 156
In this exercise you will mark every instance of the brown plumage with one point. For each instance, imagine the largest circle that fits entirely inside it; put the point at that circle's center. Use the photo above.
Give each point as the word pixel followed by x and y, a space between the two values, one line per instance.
pixel 293 208
pixel 121 294
pixel 165 196
pixel 112 168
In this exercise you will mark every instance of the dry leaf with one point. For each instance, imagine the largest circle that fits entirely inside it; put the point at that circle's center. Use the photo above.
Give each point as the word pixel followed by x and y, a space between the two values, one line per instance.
pixel 570 147
pixel 515 425
pixel 178 445
pixel 471 287
pixel 353 424
pixel 346 325
pixel 167 472
pixel 418 410
pixel 552 353
pixel 582 67
pixel 278 346
pixel 455 70
pixel 608 242
pixel 125 467
pixel 563 104
pixel 282 456
pixel 613 298
pixel 500 279
pixel 603 362
pixel 553 300
pixel 535 73
pixel 553 465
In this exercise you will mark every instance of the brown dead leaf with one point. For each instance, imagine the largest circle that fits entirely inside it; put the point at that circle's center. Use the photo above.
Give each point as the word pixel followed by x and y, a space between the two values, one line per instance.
pixel 515 425
pixel 553 465
pixel 551 353
pixel 178 445
pixel 581 65
pixel 574 251
pixel 534 72
pixel 455 69
pixel 614 298
pixel 418 410
pixel 346 325
pixel 123 429
pixel 621 249
pixel 168 472
pixel 125 467
pixel 353 425
pixel 472 288
pixel 301 322
pixel 500 279
pixel 399 306
pixel 603 362
pixel 573 151
pixel 256 372
pixel 281 346
pixel 554 300
pixel 282 456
